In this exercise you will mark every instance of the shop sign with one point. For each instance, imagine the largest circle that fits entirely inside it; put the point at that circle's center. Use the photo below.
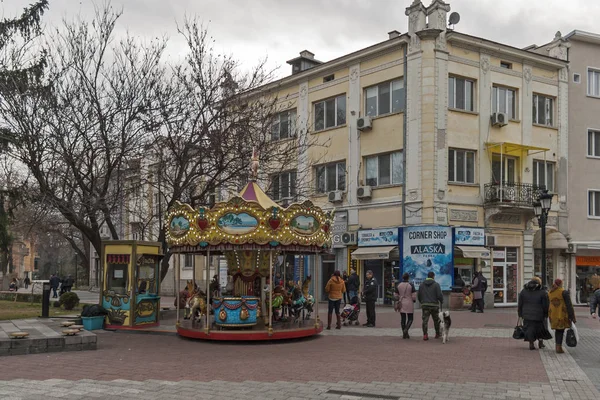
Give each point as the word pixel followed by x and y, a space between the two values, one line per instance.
pixel 425 249
pixel 589 261
pixel 340 226
pixel 498 254
pixel 464 236
pixel 378 237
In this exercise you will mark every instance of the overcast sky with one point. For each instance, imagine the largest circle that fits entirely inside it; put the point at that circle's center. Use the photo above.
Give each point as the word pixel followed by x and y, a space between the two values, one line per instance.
pixel 280 29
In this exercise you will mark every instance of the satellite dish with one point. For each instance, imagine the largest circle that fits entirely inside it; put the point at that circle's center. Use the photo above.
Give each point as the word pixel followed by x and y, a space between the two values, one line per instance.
pixel 454 18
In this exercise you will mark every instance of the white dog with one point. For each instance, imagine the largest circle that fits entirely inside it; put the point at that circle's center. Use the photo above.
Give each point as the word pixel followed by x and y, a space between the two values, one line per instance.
pixel 445 323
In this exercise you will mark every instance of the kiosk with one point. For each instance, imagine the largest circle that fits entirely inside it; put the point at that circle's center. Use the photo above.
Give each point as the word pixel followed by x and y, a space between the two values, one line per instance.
pixel 130 283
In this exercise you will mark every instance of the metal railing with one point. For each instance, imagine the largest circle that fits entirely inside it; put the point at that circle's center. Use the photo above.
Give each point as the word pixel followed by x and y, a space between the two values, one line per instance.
pixel 509 193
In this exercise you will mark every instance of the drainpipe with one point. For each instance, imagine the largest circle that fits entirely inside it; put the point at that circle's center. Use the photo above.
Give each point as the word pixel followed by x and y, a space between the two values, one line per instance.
pixel 405 78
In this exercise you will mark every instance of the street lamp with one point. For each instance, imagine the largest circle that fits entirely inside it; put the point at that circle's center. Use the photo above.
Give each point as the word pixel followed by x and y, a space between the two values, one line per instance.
pixel 541 208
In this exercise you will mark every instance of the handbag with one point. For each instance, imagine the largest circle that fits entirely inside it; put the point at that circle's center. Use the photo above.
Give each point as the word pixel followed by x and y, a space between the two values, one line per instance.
pixel 571 339
pixel 519 331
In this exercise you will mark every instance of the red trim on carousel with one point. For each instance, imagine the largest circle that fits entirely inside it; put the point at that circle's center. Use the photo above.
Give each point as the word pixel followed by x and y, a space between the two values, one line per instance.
pixel 261 335
pixel 131 328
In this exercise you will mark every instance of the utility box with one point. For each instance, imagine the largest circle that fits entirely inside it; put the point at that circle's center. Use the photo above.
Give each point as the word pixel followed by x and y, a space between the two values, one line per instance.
pixel 131 283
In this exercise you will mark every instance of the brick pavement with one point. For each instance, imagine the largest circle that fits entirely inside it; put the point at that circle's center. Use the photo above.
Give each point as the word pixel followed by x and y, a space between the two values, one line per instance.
pixel 164 367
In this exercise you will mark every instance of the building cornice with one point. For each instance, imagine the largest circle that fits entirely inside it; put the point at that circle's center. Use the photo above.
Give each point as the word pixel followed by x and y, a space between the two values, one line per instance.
pixel 583 36
pixel 504 50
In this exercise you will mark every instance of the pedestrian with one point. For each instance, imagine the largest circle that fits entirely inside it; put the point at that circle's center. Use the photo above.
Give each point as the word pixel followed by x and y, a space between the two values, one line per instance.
pixel 353 284
pixel 27 282
pixel 478 291
pixel 346 294
pixel 431 297
pixel 533 308
pixel 14 285
pixel 595 302
pixel 54 282
pixel 370 296
pixel 561 312
pixel 406 304
pixel 69 283
pixel 335 290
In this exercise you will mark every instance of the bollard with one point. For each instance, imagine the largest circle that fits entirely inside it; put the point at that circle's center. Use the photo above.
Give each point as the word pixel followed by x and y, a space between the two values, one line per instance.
pixel 46 300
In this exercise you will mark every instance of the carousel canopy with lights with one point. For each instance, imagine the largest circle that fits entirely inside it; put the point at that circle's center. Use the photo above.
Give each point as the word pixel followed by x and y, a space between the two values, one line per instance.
pixel 249 221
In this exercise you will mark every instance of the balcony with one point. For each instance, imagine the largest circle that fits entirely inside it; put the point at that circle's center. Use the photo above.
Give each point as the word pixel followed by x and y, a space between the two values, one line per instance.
pixel 508 194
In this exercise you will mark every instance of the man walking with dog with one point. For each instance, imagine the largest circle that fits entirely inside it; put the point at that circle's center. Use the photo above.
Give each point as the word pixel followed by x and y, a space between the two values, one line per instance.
pixel 430 296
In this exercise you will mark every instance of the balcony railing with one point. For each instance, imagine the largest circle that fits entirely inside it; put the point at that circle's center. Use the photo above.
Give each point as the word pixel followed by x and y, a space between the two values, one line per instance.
pixel 512 194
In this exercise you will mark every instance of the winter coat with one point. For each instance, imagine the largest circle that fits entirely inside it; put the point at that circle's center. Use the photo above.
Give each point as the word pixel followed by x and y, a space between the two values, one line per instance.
pixel 335 288
pixel 561 311
pixel 533 302
pixel 370 290
pixel 54 282
pixel 476 289
pixel 405 291
pixel 595 301
pixel 353 282
pixel 430 293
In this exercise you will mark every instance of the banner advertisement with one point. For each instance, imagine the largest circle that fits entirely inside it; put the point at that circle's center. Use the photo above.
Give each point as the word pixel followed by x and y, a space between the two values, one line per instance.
pixel 378 237
pixel 464 236
pixel 428 248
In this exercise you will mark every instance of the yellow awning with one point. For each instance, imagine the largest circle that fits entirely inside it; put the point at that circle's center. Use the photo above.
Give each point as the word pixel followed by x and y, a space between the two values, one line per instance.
pixel 512 149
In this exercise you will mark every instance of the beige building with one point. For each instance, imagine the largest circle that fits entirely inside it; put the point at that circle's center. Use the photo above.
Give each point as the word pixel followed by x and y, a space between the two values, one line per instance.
pixel 582 50
pixel 482 129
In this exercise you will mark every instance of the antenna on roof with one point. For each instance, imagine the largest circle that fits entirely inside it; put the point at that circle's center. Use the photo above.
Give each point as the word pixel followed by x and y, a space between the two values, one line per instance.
pixel 454 19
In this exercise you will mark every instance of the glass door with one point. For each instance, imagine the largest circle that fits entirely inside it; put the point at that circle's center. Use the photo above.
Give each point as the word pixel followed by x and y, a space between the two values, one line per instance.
pixel 504 169
pixel 505 275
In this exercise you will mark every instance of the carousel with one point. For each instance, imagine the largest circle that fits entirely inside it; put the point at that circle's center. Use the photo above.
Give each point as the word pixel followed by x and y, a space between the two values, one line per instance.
pixel 250 232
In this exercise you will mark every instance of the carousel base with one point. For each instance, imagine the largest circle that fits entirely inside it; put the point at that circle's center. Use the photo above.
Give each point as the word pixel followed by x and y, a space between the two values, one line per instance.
pixel 258 332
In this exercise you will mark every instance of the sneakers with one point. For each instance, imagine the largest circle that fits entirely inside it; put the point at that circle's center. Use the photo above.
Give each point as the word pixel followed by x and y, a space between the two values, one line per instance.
pixel 425 337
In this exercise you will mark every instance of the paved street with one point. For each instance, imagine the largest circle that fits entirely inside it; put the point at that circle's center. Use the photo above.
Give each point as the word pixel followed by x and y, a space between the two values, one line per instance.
pixel 480 361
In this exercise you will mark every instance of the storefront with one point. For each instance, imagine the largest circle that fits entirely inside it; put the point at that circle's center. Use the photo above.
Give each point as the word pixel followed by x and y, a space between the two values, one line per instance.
pixel 556 244
pixel 505 275
pixel 378 251
pixel 469 252
pixel 587 277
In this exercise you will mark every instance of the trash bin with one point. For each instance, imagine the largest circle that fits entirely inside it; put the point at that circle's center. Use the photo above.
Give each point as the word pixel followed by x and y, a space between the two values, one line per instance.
pixel 93 323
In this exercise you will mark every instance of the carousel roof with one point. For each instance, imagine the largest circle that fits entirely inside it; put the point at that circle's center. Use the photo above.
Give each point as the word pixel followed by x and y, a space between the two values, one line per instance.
pixel 253 192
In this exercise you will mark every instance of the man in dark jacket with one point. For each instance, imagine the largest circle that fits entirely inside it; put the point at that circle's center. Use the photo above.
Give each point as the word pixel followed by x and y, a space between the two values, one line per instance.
pixel 430 296
pixel 479 287
pixel 54 282
pixel 370 296
pixel 353 284
pixel 595 302
pixel 533 305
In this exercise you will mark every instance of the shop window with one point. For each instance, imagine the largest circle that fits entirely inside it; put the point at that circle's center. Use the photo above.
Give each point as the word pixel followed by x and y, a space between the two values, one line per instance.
pixel 331 177
pixel 117 278
pixel 384 169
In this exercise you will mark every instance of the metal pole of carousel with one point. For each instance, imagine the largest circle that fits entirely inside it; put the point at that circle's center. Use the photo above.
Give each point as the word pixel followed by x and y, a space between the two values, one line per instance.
pixel 316 296
pixel 271 292
pixel 208 307
pixel 177 284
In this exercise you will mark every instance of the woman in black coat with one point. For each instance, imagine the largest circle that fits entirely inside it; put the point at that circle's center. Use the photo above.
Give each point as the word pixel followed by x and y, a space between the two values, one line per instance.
pixel 533 308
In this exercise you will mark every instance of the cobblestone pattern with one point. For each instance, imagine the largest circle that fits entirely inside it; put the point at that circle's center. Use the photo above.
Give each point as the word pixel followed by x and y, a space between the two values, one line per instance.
pixel 587 354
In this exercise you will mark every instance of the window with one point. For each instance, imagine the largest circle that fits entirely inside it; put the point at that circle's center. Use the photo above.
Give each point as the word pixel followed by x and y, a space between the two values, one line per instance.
pixel 328 78
pixel 330 113
pixel 331 177
pixel 284 125
pixel 284 185
pixel 543 109
pixel 461 166
pixel 385 98
pixel 504 101
pixel 188 261
pixel 460 93
pixel 594 203
pixel 504 64
pixel 577 78
pixel 593 84
pixel 543 176
pixel 385 169
pixel 593 143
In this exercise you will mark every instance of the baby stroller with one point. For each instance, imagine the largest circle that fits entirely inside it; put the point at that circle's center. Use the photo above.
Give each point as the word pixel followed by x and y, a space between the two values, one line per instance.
pixel 351 312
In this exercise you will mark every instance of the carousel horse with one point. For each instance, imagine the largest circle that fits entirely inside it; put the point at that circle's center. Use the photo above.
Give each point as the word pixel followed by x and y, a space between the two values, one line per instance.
pixel 279 300
pixel 196 302
pixel 298 303
pixel 310 301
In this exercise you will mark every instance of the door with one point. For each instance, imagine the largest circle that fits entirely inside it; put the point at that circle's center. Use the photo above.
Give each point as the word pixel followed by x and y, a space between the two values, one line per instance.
pixel 376 266
pixel 327 269
pixel 505 275
pixel 504 169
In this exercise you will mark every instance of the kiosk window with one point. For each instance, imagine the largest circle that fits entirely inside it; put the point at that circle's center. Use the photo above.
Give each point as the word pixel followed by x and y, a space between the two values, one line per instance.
pixel 146 278
pixel 117 278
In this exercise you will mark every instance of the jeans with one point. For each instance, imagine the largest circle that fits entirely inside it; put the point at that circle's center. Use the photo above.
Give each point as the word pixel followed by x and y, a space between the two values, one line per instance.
pixel 352 294
pixel 54 290
pixel 432 311
pixel 371 312
pixel 559 335
pixel 334 305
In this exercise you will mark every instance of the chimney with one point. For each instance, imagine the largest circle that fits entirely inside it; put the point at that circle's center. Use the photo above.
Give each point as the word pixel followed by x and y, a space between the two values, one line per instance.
pixel 304 62
pixel 307 54
pixel 393 34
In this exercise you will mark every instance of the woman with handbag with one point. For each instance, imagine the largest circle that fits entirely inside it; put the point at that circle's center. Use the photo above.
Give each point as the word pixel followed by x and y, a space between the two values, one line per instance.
pixel 335 290
pixel 533 309
pixel 407 295
pixel 561 312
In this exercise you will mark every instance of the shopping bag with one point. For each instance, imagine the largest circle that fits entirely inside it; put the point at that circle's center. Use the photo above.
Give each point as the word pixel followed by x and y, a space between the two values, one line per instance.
pixel 519 332
pixel 572 336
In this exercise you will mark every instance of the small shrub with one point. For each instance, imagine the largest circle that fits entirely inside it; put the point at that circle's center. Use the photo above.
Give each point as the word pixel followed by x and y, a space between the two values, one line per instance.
pixel 56 303
pixel 69 300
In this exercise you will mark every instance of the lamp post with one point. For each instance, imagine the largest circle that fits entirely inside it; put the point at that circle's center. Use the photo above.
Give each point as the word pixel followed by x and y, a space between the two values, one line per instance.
pixel 541 208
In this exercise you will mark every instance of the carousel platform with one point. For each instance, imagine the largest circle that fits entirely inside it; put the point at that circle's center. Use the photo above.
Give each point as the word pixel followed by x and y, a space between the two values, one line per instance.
pixel 258 332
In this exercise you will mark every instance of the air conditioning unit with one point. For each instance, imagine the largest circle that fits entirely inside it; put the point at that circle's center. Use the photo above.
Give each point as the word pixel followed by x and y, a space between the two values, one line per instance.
pixel 571 248
pixel 363 192
pixel 349 238
pixel 499 119
pixel 335 196
pixel 364 123
pixel 490 241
